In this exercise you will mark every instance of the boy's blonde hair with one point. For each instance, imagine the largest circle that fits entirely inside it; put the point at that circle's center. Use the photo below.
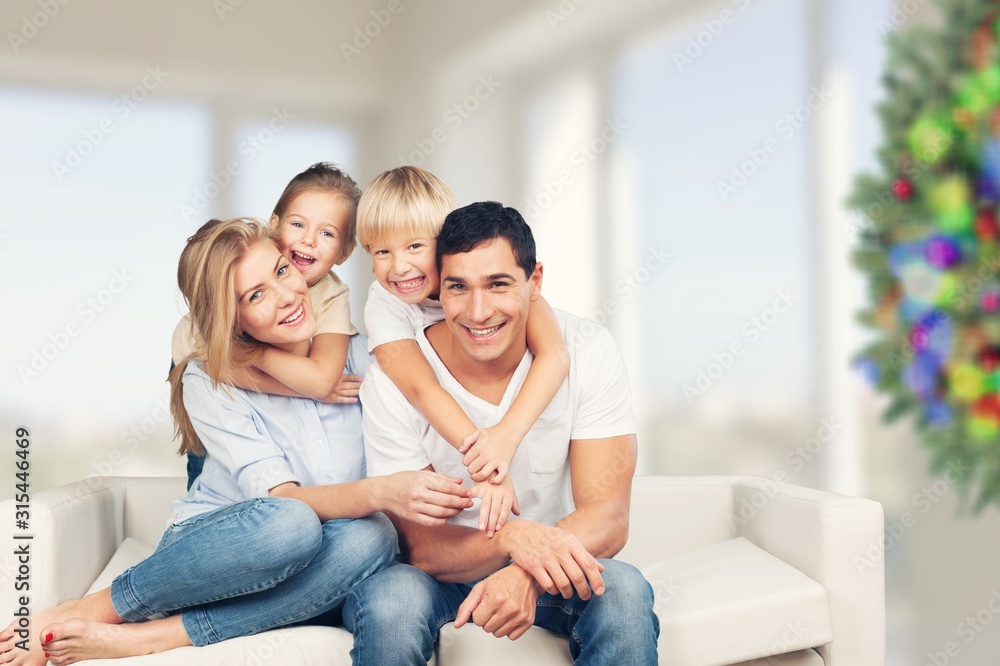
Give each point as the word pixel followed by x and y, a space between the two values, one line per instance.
pixel 330 178
pixel 206 277
pixel 404 200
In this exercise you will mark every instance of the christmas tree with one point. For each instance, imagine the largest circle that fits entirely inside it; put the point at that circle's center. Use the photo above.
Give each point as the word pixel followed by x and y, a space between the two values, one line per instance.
pixel 928 242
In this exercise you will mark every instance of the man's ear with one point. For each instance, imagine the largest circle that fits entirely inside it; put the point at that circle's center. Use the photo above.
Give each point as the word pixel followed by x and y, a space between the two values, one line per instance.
pixel 273 222
pixel 536 281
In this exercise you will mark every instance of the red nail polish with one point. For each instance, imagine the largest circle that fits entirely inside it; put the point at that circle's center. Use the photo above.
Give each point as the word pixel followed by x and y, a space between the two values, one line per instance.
pixel 46 655
pixel 47 638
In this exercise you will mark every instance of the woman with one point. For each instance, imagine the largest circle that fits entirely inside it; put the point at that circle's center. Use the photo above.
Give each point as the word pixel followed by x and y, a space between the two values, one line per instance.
pixel 282 522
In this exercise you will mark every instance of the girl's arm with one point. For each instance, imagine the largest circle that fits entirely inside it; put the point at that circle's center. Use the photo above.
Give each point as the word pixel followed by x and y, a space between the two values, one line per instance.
pixel 315 376
pixel 492 449
pixel 407 367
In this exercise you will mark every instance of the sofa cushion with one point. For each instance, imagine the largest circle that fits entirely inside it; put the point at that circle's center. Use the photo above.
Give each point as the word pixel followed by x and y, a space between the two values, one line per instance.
pixel 798 658
pixel 130 553
pixel 731 602
pixel 471 645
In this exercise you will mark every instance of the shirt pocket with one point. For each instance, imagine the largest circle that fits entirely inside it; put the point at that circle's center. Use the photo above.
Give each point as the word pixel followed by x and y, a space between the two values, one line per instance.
pixel 548 440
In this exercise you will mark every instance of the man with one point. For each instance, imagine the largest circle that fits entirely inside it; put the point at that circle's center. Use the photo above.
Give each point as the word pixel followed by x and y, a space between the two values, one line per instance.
pixel 572 473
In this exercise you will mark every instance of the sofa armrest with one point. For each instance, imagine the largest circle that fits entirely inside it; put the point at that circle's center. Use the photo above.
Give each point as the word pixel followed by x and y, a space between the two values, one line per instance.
pixel 74 530
pixel 827 537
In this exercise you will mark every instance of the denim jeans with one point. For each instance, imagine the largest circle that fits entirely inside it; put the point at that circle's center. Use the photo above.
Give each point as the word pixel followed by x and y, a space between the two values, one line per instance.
pixel 395 616
pixel 252 566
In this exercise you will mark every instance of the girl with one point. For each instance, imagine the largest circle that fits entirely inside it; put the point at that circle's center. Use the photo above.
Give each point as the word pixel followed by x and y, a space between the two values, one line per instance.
pixel 283 522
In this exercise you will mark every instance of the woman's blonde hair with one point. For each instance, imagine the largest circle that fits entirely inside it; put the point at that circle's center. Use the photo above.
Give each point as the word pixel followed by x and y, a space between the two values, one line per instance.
pixel 205 275
pixel 404 200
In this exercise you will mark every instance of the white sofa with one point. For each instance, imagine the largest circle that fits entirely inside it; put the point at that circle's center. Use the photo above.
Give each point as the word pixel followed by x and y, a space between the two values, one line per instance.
pixel 745 571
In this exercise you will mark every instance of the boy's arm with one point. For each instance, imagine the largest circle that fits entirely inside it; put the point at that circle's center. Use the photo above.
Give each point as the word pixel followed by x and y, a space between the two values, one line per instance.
pixel 498 444
pixel 407 367
pixel 314 376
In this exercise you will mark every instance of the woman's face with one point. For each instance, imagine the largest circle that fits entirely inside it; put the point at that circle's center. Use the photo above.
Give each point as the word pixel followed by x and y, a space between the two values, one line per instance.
pixel 273 302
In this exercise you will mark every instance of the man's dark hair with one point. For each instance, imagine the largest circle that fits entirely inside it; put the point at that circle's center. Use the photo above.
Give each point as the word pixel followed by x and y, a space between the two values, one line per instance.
pixel 469 227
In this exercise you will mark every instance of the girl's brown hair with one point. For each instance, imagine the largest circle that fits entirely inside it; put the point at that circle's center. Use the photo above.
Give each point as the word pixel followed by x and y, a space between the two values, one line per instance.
pixel 325 177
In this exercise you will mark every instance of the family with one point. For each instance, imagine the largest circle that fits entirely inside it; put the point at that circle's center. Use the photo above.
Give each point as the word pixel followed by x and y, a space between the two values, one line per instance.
pixel 334 479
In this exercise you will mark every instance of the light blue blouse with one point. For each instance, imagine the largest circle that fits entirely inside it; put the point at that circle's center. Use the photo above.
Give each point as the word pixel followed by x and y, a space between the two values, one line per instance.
pixel 256 441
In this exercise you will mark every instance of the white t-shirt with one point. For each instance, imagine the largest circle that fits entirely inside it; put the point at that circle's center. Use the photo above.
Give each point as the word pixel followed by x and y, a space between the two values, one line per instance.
pixel 594 402
pixel 389 319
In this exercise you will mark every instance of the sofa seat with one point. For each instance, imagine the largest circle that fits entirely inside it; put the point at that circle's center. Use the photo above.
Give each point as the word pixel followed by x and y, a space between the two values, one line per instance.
pixel 731 601
pixel 733 585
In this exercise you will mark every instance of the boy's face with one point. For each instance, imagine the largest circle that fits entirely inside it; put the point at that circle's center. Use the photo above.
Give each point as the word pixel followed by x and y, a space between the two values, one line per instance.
pixel 313 231
pixel 407 268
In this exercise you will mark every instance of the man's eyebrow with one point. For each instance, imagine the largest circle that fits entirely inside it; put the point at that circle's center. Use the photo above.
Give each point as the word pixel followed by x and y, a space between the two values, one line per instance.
pixel 500 276
pixel 453 278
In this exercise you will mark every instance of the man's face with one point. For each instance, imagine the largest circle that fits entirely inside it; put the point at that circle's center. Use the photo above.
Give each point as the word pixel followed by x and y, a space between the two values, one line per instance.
pixel 485 296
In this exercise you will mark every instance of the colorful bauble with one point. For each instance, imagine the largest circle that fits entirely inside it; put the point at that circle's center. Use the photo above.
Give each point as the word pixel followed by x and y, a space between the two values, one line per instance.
pixel 967 382
pixel 902 189
pixel 929 139
pixel 949 200
pixel 942 251
pixel 921 375
pixel 987 228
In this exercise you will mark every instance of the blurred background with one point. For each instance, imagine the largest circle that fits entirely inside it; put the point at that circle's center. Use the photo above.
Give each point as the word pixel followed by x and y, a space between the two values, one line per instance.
pixel 683 165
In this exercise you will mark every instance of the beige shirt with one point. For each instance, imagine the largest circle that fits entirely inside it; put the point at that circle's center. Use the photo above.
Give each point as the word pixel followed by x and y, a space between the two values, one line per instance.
pixel 331 308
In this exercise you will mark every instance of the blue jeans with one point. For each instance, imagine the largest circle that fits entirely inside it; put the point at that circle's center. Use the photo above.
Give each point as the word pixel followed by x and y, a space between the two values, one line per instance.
pixel 253 566
pixel 395 616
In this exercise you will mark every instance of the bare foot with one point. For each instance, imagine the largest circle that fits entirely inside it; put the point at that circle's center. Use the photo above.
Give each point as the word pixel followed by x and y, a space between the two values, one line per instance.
pixel 18 647
pixel 76 640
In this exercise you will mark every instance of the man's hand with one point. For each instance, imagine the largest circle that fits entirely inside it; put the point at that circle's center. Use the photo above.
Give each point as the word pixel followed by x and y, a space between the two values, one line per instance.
pixel 503 604
pixel 423 497
pixel 554 557
pixel 498 501
pixel 489 450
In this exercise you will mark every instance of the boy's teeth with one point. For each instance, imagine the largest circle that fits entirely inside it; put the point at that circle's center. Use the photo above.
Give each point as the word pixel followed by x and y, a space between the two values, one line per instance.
pixel 483 332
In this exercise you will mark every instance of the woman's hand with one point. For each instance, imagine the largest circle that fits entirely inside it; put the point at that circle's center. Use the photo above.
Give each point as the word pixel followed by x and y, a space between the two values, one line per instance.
pixel 423 497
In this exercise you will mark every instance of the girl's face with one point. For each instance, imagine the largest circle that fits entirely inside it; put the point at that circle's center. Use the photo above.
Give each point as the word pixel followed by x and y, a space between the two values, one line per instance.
pixel 313 230
pixel 407 268
pixel 272 300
